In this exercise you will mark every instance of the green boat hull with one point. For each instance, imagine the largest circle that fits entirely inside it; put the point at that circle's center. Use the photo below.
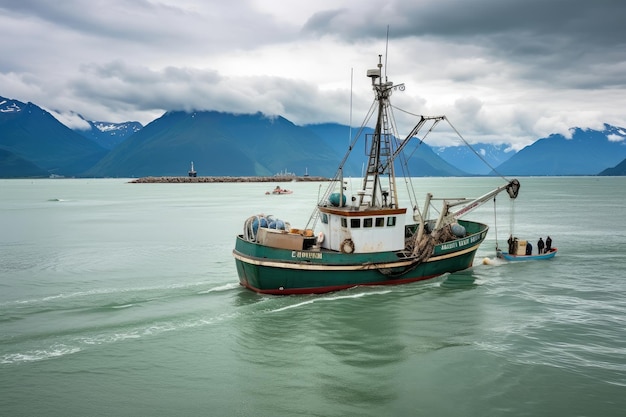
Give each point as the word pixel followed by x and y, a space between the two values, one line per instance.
pixel 281 271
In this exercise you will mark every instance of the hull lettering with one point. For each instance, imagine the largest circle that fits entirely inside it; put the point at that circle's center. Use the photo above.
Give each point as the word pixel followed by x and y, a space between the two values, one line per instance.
pixel 306 255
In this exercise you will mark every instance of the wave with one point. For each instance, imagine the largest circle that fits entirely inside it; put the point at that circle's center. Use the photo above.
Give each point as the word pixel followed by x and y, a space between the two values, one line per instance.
pixel 38 354
pixel 114 334
pixel 113 310
pixel 117 307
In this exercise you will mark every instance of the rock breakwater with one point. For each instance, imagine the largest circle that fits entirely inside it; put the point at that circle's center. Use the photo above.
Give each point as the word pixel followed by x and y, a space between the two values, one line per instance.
pixel 178 180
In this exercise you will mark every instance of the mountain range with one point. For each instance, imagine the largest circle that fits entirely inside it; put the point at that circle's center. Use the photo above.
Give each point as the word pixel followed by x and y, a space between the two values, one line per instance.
pixel 35 144
pixel 219 144
pixel 587 152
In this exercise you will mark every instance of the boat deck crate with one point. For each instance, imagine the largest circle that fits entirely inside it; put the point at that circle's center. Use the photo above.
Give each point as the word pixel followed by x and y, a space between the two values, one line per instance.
pixel 280 239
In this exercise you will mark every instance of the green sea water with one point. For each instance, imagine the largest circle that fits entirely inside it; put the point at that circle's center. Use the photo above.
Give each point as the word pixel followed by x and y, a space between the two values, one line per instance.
pixel 121 299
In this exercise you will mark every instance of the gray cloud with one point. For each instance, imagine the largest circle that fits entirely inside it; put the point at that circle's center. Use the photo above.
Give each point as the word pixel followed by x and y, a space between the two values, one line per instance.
pixel 542 37
pixel 503 70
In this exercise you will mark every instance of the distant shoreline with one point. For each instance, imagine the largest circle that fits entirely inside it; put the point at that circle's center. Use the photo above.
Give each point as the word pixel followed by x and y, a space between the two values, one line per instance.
pixel 183 180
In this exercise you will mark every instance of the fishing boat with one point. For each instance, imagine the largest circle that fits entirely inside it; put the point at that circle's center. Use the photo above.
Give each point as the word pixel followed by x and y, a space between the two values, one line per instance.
pixel 368 238
pixel 278 191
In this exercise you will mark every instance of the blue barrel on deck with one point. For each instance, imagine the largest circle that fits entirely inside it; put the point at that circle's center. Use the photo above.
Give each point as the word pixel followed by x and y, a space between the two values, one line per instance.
pixel 255 224
pixel 276 224
pixel 457 230
pixel 335 198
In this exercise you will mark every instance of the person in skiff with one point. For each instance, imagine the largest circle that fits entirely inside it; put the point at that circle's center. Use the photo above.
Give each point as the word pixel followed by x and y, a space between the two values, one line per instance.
pixel 540 246
pixel 529 248
pixel 512 244
pixel 548 244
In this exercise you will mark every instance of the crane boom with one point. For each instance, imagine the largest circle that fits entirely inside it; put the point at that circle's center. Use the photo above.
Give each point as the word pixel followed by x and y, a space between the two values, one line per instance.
pixel 512 188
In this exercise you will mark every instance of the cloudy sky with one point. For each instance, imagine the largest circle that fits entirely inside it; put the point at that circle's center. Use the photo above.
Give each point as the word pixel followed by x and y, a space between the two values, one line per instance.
pixel 503 71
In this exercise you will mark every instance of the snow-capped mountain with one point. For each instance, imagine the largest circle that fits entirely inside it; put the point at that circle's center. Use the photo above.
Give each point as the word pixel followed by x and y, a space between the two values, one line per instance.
pixel 587 152
pixel 35 143
pixel 10 106
pixel 480 159
pixel 108 134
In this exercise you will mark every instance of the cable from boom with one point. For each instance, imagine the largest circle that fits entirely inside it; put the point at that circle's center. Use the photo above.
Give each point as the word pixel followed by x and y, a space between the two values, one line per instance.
pixel 475 152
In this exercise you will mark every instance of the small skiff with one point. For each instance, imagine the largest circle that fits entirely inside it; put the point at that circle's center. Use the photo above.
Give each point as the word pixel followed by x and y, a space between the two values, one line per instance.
pixel 506 256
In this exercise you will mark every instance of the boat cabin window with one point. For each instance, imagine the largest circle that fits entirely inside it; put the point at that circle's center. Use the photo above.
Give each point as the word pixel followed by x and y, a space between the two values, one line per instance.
pixel 367 222
pixel 391 221
pixel 380 221
pixel 355 223
pixel 344 222
pixel 324 218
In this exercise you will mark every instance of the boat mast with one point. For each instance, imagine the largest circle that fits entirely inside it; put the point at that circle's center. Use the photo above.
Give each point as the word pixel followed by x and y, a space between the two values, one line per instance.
pixel 379 162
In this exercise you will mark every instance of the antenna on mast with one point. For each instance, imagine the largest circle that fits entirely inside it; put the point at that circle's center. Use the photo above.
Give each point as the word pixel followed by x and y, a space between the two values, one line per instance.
pixel 386 52
pixel 350 124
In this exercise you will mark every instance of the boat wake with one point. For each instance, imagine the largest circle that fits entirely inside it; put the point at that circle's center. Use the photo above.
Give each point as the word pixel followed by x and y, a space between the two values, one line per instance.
pixel 330 298
pixel 73 300
pixel 221 288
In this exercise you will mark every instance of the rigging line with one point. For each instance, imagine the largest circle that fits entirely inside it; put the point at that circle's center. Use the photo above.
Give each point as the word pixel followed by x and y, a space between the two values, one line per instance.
pixel 512 217
pixel 356 137
pixel 404 165
pixel 351 82
pixel 473 150
pixel 406 111
pixel 408 178
pixel 404 158
pixel 464 141
pixel 421 141
pixel 338 175
pixel 404 161
pixel 351 146
pixel 495 221
pixel 397 134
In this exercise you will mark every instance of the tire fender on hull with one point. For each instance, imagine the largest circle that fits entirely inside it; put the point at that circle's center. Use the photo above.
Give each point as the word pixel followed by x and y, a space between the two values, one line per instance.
pixel 347 246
